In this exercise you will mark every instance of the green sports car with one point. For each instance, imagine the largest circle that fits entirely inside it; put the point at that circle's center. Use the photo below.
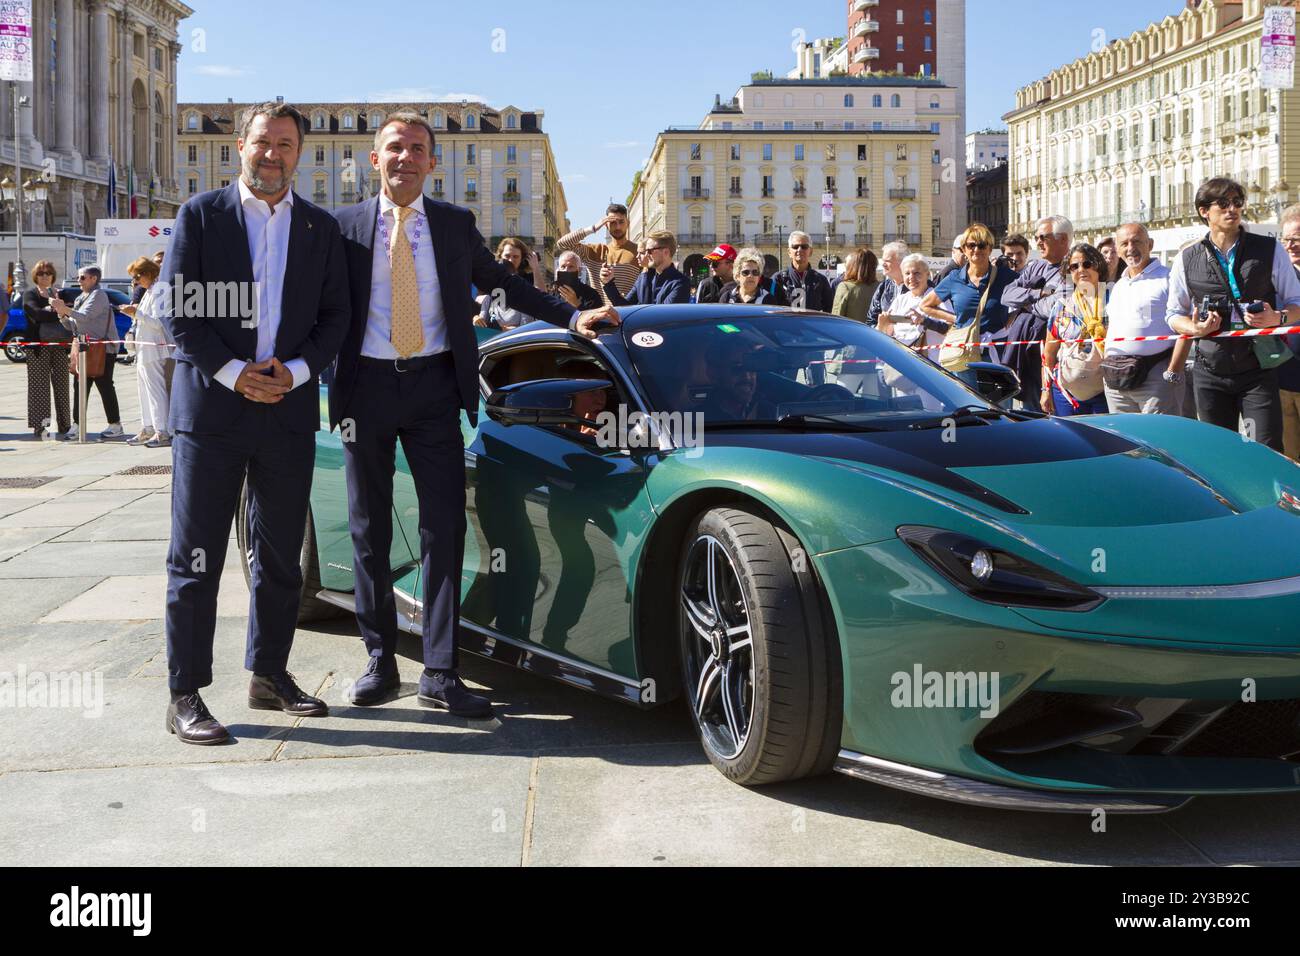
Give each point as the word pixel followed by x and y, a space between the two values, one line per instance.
pixel 842 557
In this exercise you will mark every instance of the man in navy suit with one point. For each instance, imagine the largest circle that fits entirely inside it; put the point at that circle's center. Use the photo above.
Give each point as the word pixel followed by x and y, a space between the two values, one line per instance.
pixel 259 309
pixel 408 367
pixel 661 284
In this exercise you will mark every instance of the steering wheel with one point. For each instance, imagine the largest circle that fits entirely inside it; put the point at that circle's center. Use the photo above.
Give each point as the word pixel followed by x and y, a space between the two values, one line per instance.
pixel 828 392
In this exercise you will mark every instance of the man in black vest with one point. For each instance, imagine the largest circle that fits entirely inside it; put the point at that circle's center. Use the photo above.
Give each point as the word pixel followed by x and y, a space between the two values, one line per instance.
pixel 1233 269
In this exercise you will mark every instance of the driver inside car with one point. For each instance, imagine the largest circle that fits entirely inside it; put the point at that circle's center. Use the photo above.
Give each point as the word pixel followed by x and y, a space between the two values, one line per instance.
pixel 733 392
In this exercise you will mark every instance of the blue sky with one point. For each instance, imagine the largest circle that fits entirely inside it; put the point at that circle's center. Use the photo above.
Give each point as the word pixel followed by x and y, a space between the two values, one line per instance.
pixel 609 75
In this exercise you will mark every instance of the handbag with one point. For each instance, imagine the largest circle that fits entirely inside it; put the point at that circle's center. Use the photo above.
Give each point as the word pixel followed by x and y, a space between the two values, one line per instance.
pixel 1126 372
pixel 96 358
pixel 954 355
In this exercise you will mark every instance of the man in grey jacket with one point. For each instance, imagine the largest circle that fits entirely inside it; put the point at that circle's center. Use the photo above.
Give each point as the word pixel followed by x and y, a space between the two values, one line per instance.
pixel 92 316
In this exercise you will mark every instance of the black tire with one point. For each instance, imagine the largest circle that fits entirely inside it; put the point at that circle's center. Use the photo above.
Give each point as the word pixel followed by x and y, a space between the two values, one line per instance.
pixel 14 350
pixel 786 673
pixel 310 607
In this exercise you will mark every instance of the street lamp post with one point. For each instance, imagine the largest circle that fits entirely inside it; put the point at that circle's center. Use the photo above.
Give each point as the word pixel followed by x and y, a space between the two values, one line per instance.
pixel 15 193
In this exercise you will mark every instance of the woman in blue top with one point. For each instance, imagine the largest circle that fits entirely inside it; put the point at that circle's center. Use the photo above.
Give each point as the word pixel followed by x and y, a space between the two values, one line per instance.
pixel 964 288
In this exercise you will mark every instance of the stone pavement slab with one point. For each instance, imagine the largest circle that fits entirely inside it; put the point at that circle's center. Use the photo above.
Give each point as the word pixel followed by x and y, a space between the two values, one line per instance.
pixel 137 597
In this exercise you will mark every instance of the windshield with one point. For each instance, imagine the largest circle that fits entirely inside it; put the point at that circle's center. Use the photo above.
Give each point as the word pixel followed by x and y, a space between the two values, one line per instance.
pixel 784 367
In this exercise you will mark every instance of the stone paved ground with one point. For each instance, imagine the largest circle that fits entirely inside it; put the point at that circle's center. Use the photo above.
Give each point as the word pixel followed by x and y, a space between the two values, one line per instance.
pixel 558 777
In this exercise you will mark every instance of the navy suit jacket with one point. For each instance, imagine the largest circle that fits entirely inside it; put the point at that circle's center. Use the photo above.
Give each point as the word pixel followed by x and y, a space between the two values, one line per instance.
pixel 462 261
pixel 210 247
pixel 673 287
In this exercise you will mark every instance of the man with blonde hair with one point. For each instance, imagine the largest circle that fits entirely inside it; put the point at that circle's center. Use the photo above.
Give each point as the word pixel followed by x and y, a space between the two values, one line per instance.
pixel 661 284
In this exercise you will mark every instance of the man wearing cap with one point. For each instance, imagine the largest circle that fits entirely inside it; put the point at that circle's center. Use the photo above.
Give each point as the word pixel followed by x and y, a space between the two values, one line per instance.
pixel 721 260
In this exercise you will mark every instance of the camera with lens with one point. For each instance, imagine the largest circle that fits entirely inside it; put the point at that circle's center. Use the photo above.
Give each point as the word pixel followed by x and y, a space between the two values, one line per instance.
pixel 1228 310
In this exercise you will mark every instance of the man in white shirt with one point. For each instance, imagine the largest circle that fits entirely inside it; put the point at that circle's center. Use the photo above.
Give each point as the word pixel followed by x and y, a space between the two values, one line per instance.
pixel 270 312
pixel 406 370
pixel 1138 375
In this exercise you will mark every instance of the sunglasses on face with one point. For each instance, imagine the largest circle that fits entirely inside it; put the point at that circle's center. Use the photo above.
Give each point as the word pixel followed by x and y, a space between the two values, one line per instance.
pixel 1226 204
pixel 801 247
pixel 976 246
pixel 750 272
pixel 1046 237
pixel 654 248
pixel 1076 266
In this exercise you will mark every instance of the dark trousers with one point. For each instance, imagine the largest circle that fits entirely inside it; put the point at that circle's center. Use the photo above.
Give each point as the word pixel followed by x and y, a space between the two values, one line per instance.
pixel 421 409
pixel 1253 396
pixel 107 391
pixel 47 368
pixel 208 471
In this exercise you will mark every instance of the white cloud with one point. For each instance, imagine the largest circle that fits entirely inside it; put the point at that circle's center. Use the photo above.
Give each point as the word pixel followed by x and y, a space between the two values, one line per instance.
pixel 622 144
pixel 421 94
pixel 222 69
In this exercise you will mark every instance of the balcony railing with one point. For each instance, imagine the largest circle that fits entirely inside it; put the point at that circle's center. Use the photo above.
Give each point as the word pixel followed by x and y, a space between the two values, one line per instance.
pixel 690 193
pixel 735 193
pixel 767 238
pixel 911 238
pixel 471 195
pixel 822 238
pixel 866 26
pixel 866 53
pixel 861 5
pixel 318 197
pixel 833 190
pixel 348 196
pixel 800 192
pixel 511 197
pixel 736 238
pixel 864 192
pixel 864 239
pixel 697 239
pixel 769 193
pixel 902 194
pixel 437 194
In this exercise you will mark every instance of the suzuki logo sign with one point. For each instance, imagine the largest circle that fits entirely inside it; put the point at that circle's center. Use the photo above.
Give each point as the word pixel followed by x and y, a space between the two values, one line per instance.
pixel 153 231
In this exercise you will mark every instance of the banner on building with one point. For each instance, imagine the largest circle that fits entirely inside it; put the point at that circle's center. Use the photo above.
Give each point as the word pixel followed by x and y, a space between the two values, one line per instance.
pixel 1277 55
pixel 828 208
pixel 16 41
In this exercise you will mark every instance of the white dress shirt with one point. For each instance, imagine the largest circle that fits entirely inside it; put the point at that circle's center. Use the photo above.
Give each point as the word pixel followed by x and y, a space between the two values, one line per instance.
pixel 377 341
pixel 267 230
pixel 1137 307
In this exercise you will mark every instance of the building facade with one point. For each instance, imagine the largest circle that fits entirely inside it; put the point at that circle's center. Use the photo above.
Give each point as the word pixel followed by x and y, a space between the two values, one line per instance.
pixel 986 149
pixel 1129 132
pixel 819 59
pixel 986 198
pixel 893 36
pixel 104 86
pixel 496 162
pixel 756 167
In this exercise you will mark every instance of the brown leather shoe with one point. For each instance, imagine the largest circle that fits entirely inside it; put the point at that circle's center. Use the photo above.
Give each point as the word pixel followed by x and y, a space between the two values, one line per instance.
pixel 190 720
pixel 279 692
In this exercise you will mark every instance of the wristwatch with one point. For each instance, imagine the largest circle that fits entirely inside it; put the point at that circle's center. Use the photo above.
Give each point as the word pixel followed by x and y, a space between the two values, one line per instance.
pixel 1173 378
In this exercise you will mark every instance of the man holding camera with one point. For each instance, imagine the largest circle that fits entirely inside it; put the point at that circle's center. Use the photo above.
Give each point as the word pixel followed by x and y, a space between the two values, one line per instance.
pixel 1234 279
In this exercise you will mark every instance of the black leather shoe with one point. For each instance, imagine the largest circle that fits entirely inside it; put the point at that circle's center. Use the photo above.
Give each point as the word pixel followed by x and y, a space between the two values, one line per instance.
pixel 444 690
pixel 279 692
pixel 378 684
pixel 190 720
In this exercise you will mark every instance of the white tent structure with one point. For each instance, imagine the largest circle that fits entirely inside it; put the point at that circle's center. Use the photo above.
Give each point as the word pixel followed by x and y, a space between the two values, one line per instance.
pixel 119 241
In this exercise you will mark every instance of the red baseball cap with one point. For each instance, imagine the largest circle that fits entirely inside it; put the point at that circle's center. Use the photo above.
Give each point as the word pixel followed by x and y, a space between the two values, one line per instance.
pixel 724 253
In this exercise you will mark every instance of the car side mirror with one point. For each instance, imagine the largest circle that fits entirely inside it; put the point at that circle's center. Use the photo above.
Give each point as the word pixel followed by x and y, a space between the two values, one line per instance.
pixel 542 402
pixel 995 382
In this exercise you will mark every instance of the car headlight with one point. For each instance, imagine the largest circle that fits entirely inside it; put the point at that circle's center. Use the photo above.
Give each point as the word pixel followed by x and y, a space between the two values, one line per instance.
pixel 994 576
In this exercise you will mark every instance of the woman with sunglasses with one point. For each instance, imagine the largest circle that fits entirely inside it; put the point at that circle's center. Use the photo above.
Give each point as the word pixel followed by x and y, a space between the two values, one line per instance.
pixel 1076 339
pixel 47 365
pixel 749 287
pixel 973 290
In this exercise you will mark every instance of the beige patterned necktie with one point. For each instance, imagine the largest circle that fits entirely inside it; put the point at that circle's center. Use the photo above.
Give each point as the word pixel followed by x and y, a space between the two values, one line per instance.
pixel 407 332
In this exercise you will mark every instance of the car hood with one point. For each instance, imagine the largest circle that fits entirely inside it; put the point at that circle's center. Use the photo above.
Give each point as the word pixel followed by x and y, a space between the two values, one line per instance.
pixel 1104 508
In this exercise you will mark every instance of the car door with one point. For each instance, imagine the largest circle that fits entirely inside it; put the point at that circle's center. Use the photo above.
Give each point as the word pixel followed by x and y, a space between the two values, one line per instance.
pixel 552 518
